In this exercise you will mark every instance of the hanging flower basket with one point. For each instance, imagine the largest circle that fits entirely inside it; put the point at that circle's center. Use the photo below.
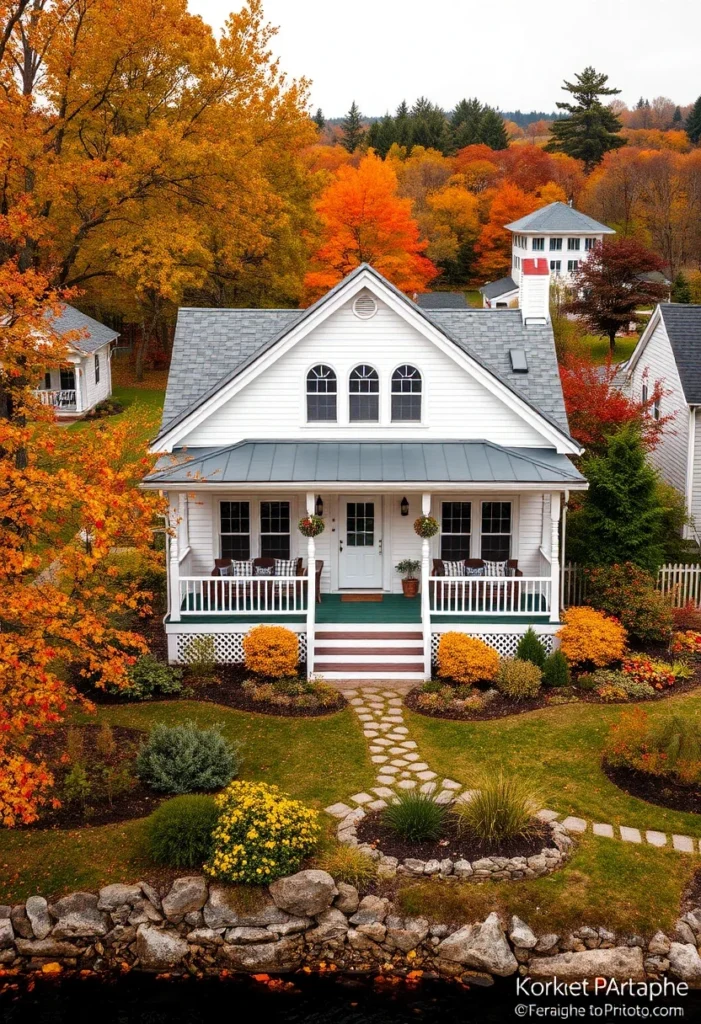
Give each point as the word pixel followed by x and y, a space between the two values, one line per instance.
pixel 426 526
pixel 311 526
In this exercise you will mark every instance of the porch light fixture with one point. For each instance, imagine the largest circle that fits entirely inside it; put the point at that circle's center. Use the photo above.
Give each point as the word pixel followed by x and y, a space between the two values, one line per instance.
pixel 319 507
pixel 404 506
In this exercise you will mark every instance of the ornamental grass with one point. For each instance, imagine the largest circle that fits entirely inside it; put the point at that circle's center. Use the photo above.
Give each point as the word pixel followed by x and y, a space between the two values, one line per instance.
pixel 262 834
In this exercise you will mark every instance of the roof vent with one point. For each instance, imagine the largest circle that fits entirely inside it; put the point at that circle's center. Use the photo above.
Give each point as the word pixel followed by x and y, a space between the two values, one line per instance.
pixel 519 363
pixel 365 306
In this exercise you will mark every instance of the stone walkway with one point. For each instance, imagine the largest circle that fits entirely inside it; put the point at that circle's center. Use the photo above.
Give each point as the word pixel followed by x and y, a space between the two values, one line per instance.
pixel 400 766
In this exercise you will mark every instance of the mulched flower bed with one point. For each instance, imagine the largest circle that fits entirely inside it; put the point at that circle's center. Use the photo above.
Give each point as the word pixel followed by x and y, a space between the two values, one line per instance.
pixel 655 790
pixel 228 691
pixel 503 707
pixel 372 830
pixel 136 801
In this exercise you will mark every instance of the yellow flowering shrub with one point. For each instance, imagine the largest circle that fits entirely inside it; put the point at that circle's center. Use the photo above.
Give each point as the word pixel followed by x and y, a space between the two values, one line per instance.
pixel 588 637
pixel 465 659
pixel 271 651
pixel 261 834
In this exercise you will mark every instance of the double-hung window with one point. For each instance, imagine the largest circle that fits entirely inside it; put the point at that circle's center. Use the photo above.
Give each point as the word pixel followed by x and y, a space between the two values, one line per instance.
pixel 456 529
pixel 555 245
pixel 321 394
pixel 556 266
pixel 275 529
pixel 589 244
pixel 572 265
pixel 496 530
pixel 573 244
pixel 406 394
pixel 235 529
pixel 538 245
pixel 364 395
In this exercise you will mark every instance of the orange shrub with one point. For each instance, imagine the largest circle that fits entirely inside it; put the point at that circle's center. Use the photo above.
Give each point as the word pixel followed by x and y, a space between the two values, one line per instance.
pixel 465 659
pixel 590 637
pixel 271 651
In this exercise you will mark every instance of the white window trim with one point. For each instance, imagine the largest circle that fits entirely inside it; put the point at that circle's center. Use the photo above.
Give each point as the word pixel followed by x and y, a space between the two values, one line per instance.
pixel 476 536
pixel 297 548
pixel 317 423
pixel 423 420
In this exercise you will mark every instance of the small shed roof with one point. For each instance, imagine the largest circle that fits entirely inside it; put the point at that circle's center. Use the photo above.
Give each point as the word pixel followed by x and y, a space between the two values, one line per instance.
pixel 94 334
pixel 501 287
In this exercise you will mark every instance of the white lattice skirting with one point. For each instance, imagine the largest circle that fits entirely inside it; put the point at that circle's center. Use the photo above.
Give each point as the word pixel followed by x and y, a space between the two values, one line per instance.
pixel 228 647
pixel 504 643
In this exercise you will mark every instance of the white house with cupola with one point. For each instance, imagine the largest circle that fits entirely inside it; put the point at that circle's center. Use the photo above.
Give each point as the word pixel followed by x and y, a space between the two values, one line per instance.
pixel 558 234
pixel 371 413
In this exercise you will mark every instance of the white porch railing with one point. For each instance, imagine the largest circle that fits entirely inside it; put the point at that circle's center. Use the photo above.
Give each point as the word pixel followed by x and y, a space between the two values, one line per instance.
pixel 490 595
pixel 60 399
pixel 242 595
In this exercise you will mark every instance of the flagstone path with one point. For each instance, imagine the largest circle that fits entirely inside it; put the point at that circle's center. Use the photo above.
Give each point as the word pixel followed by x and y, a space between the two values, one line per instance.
pixel 400 767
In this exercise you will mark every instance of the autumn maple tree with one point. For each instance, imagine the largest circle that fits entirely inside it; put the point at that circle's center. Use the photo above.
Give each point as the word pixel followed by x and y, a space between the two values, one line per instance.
pixel 364 220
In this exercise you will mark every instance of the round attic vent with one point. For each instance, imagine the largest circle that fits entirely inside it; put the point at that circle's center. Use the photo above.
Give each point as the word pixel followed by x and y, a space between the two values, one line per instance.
pixel 364 307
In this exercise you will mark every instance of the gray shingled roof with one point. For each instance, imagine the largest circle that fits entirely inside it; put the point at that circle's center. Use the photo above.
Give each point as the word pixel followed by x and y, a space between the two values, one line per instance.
pixel 683 325
pixel 500 287
pixel 254 462
pixel 212 346
pixel 559 217
pixel 94 334
pixel 441 300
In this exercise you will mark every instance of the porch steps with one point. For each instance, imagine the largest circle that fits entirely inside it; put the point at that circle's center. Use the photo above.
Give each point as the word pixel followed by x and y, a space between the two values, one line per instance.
pixel 384 652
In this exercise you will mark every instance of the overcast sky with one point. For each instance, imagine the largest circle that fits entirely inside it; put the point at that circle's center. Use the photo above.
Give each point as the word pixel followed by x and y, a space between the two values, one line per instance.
pixel 511 53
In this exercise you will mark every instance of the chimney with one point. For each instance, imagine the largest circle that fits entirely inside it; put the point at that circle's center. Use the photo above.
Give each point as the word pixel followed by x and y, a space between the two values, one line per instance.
pixel 534 291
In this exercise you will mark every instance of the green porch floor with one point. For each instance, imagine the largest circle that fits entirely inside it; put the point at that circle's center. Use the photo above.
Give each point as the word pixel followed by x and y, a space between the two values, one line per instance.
pixel 392 609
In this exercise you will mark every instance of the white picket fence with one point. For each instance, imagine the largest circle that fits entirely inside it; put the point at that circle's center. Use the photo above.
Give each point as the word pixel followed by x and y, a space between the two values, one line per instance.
pixel 679 583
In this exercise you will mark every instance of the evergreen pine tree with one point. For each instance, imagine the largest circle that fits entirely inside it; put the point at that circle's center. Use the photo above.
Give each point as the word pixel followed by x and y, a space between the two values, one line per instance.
pixel 556 671
pixel 319 119
pixel 621 518
pixel 530 648
pixel 429 126
pixel 492 131
pixel 465 123
pixel 403 126
pixel 590 129
pixel 693 123
pixel 381 135
pixel 677 117
pixel 352 131
pixel 681 292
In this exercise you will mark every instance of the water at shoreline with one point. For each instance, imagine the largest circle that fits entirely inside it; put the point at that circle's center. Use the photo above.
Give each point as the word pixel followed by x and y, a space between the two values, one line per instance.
pixel 298 999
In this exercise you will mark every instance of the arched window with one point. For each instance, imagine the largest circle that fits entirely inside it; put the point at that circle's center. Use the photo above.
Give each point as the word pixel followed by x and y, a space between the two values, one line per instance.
pixel 364 394
pixel 406 393
pixel 321 393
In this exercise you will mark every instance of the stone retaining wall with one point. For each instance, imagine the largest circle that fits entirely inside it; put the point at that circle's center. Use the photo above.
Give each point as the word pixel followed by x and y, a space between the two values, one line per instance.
pixel 306 919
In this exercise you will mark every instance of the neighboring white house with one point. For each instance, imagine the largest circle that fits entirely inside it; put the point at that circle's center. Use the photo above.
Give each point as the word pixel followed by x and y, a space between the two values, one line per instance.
pixel 370 411
pixel 669 351
pixel 557 233
pixel 86 378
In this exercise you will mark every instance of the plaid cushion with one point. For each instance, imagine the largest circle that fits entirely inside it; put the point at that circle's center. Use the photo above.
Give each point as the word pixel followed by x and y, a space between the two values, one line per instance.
pixel 241 568
pixel 285 566
pixel 496 569
pixel 263 570
pixel 454 568
pixel 474 570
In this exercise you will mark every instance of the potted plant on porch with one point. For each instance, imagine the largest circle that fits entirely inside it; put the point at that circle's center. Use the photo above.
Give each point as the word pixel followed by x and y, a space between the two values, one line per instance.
pixel 410 582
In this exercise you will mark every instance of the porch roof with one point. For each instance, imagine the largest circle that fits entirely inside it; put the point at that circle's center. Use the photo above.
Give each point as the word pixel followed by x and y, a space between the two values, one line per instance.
pixel 360 462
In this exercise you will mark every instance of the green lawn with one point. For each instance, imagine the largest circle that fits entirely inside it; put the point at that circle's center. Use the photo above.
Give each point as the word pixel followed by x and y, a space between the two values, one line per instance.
pixel 148 401
pixel 558 750
pixel 599 348
pixel 317 760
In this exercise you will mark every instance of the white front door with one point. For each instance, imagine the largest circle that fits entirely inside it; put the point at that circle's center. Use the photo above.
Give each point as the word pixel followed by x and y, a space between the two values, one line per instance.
pixel 360 543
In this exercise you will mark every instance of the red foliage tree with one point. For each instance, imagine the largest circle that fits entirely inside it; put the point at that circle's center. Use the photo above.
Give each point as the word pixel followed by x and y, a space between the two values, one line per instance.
pixel 597 407
pixel 610 287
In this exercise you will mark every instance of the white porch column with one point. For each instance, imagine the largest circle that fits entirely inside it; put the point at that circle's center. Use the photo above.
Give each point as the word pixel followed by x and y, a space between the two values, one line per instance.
pixel 311 588
pixel 174 566
pixel 555 557
pixel 425 594
pixel 78 387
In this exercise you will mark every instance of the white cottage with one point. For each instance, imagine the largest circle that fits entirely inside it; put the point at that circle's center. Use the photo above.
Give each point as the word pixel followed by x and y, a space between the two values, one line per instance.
pixel 558 234
pixel 86 378
pixel 669 350
pixel 369 411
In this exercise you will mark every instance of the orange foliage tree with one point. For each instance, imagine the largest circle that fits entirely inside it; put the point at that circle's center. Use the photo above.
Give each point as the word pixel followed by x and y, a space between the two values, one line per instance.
pixel 509 203
pixel 364 220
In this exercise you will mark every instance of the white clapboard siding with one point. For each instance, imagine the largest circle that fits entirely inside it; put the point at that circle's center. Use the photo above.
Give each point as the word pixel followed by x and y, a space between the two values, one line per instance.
pixel 455 405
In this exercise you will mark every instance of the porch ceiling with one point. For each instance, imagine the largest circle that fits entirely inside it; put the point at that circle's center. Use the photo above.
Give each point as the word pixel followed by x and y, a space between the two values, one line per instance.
pixel 366 462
